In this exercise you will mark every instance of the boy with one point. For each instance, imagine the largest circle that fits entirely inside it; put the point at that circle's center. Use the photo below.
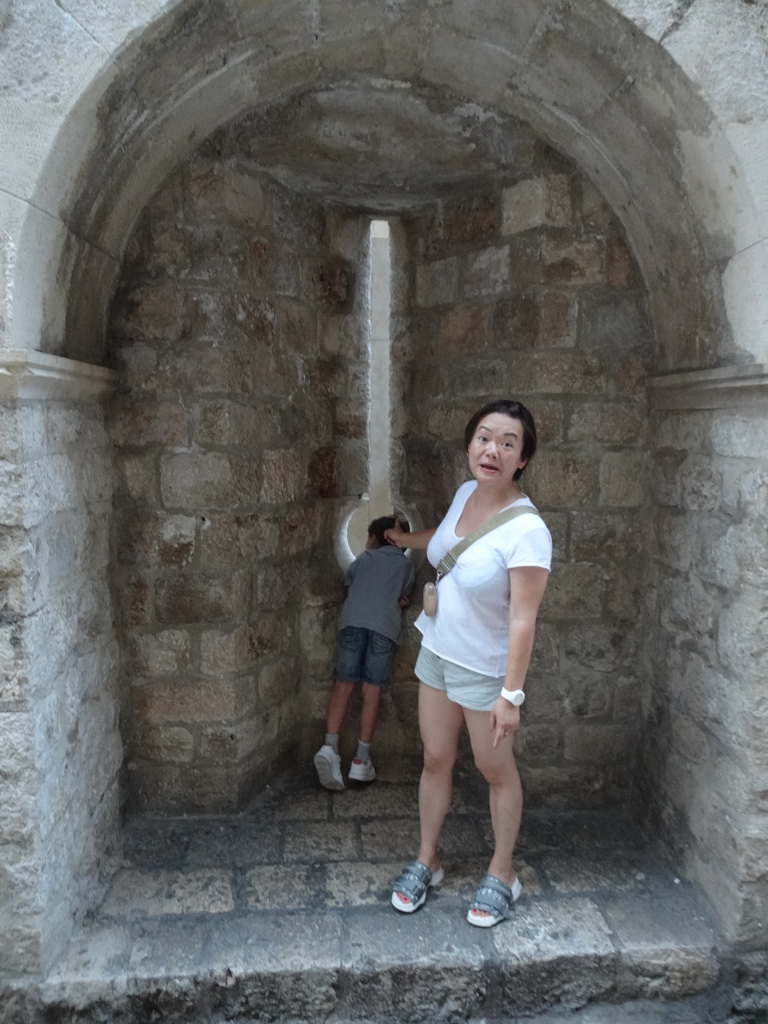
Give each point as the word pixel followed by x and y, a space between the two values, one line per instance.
pixel 378 583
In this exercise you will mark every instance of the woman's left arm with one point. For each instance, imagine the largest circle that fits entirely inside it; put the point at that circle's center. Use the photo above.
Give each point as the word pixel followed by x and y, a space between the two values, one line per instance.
pixel 526 589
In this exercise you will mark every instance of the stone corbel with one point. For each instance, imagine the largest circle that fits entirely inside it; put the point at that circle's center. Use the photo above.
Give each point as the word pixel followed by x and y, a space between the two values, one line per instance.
pixel 26 374
pixel 721 388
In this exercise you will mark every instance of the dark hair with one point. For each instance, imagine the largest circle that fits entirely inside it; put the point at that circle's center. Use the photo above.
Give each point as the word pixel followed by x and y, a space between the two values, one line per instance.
pixel 378 526
pixel 507 407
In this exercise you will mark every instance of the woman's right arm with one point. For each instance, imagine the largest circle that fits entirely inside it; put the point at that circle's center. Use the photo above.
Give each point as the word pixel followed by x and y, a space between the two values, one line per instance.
pixel 418 540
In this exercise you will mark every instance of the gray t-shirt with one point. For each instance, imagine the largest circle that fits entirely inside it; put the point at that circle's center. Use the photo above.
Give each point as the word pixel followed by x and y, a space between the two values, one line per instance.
pixel 376 579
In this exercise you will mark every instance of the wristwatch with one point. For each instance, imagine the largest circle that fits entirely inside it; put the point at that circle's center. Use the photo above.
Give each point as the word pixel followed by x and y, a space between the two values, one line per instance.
pixel 516 697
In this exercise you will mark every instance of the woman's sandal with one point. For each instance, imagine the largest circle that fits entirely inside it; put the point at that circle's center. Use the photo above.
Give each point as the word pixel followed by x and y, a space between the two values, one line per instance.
pixel 413 884
pixel 495 898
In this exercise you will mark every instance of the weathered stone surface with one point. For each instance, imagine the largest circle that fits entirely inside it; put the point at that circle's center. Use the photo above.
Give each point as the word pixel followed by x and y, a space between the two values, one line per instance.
pixel 164 892
pixel 664 954
pixel 536 203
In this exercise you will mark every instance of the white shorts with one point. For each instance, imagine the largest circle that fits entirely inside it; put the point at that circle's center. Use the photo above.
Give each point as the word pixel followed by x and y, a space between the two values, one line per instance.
pixel 470 689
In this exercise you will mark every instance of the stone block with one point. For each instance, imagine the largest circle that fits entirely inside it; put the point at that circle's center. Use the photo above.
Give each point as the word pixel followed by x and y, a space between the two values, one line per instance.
pixel 323 474
pixel 556 953
pixel 605 537
pixel 194 598
pixel 278 681
pixel 574 591
pixel 136 600
pixel 326 378
pixel 169 744
pixel 486 273
pixel 603 648
pixel 137 478
pixel 300 528
pixel 198 369
pixel 437 283
pixel 598 743
pixel 226 651
pixel 150 312
pixel 537 202
pixel 332 284
pixel 562 479
pixel 198 480
pixel 137 423
pixel 565 261
pixel 163 892
pixel 701 485
pixel 613 322
pixel 234 540
pixel 147 538
pixel 340 335
pixel 164 653
pixel 741 632
pixel 424 970
pixel 220 192
pixel 740 436
pixel 666 952
pixel 538 744
pixel 282 477
pixel 296 327
pixel 622 479
pixel 571 373
pixel 621 271
pixel 277 887
pixel 471 220
pixel 461 330
pixel 136 365
pixel 190 700
pixel 607 423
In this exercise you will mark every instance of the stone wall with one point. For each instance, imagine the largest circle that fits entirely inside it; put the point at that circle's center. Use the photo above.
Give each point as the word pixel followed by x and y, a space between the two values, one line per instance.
pixel 58 673
pixel 707 704
pixel 239 430
pixel 530 292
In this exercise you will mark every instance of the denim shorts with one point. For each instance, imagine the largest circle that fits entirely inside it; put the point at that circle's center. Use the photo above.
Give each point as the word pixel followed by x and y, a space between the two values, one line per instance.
pixel 364 654
pixel 461 685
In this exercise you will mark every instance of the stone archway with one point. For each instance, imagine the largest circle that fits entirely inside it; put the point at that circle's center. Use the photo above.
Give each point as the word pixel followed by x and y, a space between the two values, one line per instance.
pixel 680 166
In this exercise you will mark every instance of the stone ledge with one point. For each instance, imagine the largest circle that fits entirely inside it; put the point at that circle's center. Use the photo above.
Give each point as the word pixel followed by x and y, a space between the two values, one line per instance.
pixel 38 375
pixel 720 388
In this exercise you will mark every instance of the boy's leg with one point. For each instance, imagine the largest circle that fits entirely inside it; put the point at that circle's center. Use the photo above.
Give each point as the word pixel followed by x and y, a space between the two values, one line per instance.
pixel 337 705
pixel 379 654
pixel 349 652
pixel 369 713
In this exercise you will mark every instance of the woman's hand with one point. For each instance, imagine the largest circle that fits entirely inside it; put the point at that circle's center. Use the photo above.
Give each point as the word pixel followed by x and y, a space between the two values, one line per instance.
pixel 397 536
pixel 505 720
pixel 402 539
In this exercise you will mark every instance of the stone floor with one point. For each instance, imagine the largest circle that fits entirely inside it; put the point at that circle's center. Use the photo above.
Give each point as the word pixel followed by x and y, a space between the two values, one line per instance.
pixel 282 913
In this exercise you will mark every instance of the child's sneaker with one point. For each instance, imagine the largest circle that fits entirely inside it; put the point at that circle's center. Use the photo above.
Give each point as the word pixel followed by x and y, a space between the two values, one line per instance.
pixel 362 771
pixel 328 766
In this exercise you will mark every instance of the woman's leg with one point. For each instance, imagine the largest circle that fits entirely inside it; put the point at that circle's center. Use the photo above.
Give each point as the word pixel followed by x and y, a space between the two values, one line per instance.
pixel 440 723
pixel 506 794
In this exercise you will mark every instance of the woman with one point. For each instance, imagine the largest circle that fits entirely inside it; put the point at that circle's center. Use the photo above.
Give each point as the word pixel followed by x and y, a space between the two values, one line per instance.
pixel 475 651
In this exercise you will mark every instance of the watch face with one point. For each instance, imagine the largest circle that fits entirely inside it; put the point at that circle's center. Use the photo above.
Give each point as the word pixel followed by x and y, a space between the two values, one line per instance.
pixel 519 698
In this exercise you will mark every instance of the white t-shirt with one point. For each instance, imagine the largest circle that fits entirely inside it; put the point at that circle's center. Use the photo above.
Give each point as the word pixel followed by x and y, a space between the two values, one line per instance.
pixel 471 627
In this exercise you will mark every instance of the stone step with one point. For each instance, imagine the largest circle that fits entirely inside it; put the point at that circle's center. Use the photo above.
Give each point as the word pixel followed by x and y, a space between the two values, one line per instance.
pixel 282 914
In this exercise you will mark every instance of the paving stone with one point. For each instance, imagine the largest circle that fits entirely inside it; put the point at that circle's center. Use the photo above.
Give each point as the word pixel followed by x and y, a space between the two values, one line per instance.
pixel 153 893
pixel 312 806
pixel 422 966
pixel 377 801
pixel 320 841
pixel 277 886
pixel 554 953
pixel 666 947
pixel 239 841
pixel 360 884
pixel 162 949
pixel 594 870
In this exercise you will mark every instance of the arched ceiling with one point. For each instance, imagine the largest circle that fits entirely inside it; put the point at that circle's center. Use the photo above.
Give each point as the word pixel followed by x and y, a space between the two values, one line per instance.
pixel 389 100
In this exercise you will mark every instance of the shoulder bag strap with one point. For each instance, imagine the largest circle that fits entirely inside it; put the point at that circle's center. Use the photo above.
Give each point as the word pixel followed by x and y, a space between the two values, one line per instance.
pixel 450 559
